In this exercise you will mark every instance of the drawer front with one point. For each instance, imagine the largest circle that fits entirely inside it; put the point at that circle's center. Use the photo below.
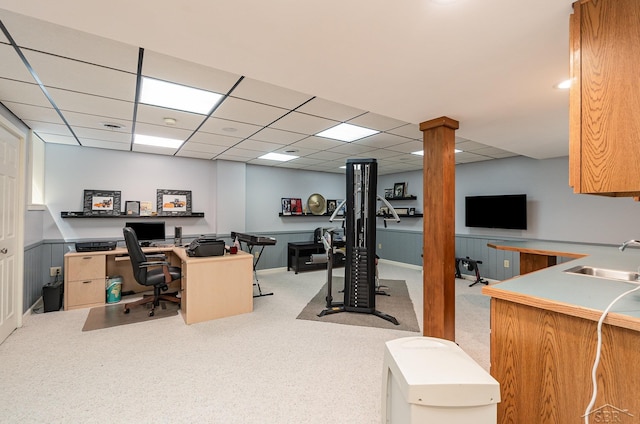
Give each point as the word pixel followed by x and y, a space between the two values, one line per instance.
pixel 85 292
pixel 85 267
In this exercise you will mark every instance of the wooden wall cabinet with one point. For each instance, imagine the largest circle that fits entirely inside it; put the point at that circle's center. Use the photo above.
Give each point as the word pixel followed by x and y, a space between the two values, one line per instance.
pixel 604 99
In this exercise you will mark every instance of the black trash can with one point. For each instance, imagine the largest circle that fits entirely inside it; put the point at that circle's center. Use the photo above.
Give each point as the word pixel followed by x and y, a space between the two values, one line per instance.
pixel 52 296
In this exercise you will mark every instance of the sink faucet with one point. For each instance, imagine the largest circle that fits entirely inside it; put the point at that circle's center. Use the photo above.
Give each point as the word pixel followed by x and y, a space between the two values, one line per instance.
pixel 627 243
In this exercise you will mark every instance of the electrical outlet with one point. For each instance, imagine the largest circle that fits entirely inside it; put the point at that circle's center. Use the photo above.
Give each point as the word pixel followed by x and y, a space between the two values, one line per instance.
pixel 55 270
pixel 256 254
pixel 506 263
pixel 379 245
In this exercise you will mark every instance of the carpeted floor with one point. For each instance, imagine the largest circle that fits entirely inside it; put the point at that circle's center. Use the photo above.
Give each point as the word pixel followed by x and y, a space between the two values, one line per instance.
pixel 398 304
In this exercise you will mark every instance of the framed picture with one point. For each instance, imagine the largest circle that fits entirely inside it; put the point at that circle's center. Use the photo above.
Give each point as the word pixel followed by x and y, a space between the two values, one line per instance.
pixel 296 206
pixel 398 190
pixel 343 209
pixel 331 206
pixel 388 193
pixel 173 202
pixel 146 208
pixel 101 202
pixel 286 206
pixel 132 207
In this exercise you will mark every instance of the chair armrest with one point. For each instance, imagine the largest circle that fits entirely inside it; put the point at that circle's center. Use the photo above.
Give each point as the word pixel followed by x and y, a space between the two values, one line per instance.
pixel 156 257
pixel 150 264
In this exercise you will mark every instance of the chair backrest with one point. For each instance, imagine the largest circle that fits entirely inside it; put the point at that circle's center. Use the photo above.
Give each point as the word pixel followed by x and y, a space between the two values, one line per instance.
pixel 136 255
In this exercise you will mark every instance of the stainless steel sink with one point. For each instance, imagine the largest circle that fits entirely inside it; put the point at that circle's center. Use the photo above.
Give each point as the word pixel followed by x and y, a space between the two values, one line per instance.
pixel 610 274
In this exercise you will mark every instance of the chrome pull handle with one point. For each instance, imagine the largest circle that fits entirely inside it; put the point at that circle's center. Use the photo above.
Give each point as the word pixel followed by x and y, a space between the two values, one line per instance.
pixel 4 250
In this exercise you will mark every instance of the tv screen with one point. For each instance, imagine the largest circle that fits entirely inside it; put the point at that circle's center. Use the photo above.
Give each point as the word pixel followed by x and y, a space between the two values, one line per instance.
pixel 148 231
pixel 501 211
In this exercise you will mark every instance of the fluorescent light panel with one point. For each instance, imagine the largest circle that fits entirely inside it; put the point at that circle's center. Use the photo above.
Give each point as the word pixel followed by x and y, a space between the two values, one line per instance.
pixel 149 140
pixel 278 156
pixel 175 96
pixel 347 132
pixel 421 152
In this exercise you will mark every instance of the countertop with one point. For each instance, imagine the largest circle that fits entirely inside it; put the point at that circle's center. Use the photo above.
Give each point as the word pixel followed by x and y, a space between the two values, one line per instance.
pixel 574 294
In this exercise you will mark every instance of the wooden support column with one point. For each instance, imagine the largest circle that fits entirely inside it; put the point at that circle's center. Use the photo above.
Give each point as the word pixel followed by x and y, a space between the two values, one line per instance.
pixel 438 240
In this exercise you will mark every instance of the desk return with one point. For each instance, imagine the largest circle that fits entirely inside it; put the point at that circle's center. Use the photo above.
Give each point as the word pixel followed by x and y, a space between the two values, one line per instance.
pixel 211 287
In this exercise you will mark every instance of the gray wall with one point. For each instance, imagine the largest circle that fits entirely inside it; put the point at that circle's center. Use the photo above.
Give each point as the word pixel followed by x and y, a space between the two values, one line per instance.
pixel 246 198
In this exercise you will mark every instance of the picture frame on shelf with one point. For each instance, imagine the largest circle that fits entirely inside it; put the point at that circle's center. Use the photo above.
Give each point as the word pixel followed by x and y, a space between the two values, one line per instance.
pixel 331 206
pixel 101 202
pixel 132 208
pixel 412 211
pixel 399 190
pixel 146 208
pixel 388 193
pixel 286 205
pixel 296 206
pixel 173 202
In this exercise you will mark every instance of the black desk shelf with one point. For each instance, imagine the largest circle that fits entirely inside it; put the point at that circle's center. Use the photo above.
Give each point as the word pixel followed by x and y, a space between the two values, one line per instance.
pixel 124 215
pixel 412 197
pixel 309 215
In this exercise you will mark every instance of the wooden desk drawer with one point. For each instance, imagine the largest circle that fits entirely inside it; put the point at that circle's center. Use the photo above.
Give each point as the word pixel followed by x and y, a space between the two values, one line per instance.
pixel 83 293
pixel 85 267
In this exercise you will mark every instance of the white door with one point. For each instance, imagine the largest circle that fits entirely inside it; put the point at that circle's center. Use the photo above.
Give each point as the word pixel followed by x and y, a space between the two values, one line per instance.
pixel 10 310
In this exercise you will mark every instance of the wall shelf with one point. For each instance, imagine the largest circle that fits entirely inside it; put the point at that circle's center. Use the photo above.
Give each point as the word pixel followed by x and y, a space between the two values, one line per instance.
pixel 83 215
pixel 412 197
pixel 309 215
pixel 415 215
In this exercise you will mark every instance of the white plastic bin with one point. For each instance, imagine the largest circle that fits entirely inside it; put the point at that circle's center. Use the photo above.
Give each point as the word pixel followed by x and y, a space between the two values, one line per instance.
pixel 431 380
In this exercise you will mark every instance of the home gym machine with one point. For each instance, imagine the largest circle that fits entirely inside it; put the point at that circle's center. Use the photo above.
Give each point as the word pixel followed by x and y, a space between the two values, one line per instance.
pixel 360 235
pixel 470 265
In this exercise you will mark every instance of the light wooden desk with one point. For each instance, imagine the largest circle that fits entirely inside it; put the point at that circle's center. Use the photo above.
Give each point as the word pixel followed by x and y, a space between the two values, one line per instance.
pixel 211 287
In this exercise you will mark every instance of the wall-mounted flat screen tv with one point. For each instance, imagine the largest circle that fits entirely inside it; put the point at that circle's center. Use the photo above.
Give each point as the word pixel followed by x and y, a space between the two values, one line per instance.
pixel 507 211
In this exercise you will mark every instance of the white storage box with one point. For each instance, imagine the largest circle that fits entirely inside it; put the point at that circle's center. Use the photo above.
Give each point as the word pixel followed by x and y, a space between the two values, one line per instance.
pixel 430 380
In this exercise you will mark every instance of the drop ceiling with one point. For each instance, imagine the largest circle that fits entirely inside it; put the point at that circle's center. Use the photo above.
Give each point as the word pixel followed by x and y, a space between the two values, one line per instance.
pixel 90 78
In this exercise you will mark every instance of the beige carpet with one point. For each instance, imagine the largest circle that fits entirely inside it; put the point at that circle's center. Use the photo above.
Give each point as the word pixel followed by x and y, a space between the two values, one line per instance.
pixel 398 304
pixel 113 315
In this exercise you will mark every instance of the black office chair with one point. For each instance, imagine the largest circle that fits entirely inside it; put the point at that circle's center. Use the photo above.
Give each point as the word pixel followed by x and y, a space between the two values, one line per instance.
pixel 157 273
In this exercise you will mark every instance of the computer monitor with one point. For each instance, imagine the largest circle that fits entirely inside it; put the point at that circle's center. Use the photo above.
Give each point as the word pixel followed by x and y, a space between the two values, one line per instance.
pixel 148 231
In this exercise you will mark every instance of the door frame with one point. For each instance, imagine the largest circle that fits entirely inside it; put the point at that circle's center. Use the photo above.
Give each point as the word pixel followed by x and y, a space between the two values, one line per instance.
pixel 20 195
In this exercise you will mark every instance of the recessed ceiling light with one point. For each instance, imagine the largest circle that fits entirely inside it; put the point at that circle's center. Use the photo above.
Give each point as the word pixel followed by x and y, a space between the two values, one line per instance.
pixel 347 132
pixel 149 140
pixel 277 156
pixel 291 151
pixel 421 152
pixel 170 121
pixel 229 129
pixel 563 85
pixel 175 96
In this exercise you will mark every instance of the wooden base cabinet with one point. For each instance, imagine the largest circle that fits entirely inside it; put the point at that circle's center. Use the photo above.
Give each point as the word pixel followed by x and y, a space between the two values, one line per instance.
pixel 543 360
pixel 84 281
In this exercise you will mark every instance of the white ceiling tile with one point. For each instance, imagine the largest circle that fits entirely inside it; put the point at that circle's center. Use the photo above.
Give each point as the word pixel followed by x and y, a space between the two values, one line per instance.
pixel 58 139
pixel 89 104
pixel 153 149
pixel 243 153
pixel 249 112
pixel 408 130
pixel 11 67
pixel 167 68
pixel 296 151
pixel 48 127
pixel 489 151
pixel 409 147
pixel 325 155
pixel 234 158
pixel 76 119
pixel 304 124
pixel 377 122
pixel 277 136
pixel 162 131
pixel 34 113
pixel 229 128
pixel 469 146
pixel 261 92
pixel 22 92
pixel 214 139
pixel 194 154
pixel 47 37
pixel 105 144
pixel 327 109
pixel 259 146
pixel 352 149
pixel 317 143
pixel 211 149
pixel 382 140
pixel 106 135
pixel 156 115
pixel 55 72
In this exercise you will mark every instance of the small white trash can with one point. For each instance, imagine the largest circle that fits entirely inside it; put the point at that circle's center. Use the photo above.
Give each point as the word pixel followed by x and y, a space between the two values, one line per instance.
pixel 431 380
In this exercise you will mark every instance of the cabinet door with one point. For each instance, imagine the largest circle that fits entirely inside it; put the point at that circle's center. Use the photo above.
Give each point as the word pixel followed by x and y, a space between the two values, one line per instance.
pixel 85 267
pixel 609 96
pixel 84 293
